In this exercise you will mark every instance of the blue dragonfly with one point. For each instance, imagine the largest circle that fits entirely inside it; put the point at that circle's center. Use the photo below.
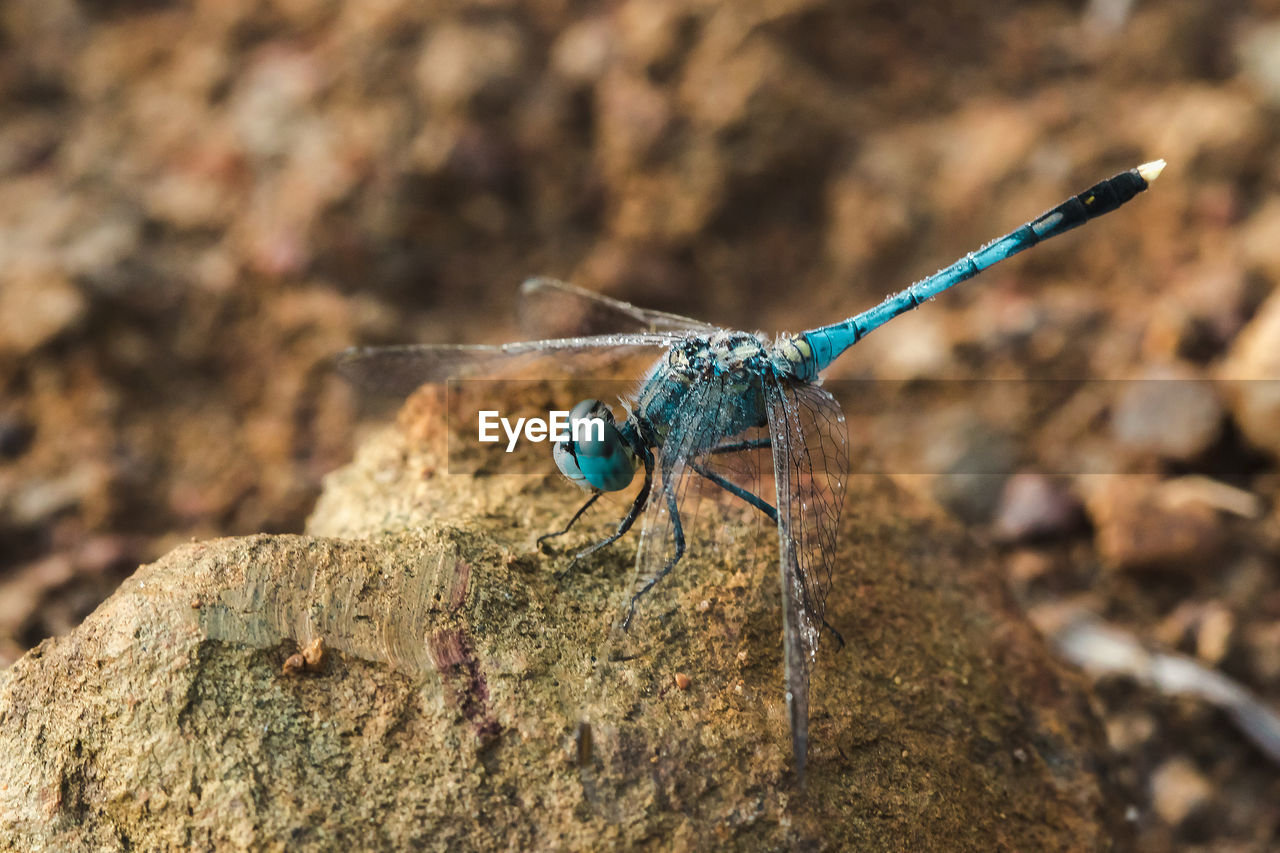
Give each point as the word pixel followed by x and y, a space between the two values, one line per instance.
pixel 714 394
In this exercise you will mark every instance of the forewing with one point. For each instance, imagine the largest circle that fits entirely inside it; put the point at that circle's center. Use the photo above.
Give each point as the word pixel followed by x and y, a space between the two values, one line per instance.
pixel 810 460
pixel 554 308
pixel 401 369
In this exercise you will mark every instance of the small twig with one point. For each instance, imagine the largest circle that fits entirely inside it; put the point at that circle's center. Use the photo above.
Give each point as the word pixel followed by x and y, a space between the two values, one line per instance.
pixel 1101 649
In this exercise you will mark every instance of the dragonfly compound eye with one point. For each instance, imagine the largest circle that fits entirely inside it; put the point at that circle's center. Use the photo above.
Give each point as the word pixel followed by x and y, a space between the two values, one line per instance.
pixel 595 456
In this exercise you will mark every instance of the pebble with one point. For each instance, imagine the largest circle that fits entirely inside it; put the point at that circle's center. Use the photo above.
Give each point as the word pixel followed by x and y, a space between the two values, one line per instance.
pixel 974 461
pixel 1251 378
pixel 313 654
pixel 36 305
pixel 1179 790
pixel 1025 565
pixel 1214 634
pixel 583 51
pixel 1139 526
pixel 1032 506
pixel 1262 640
pixel 1209 625
pixel 464 61
pixel 16 433
pixel 309 659
pixel 1259 249
pixel 1259 56
pixel 41 497
pixel 272 102
pixel 1129 730
pixel 1170 412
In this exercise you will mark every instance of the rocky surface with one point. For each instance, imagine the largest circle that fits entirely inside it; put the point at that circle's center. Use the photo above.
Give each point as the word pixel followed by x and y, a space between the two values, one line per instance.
pixel 458 660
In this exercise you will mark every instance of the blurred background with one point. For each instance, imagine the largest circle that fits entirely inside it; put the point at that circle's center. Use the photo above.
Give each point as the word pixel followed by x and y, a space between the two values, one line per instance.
pixel 201 202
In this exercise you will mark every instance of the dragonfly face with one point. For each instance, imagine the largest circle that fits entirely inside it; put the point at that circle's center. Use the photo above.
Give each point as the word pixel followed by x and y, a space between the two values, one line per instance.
pixel 595 456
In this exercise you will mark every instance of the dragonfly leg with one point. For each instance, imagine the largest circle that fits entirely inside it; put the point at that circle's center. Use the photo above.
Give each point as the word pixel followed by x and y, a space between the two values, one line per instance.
pixel 577 515
pixel 827 626
pixel 739 492
pixel 637 506
pixel 739 446
pixel 762 505
pixel 678 530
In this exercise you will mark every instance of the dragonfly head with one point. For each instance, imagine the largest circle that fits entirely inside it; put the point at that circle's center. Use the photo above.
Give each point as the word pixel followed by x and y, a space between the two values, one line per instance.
pixel 595 455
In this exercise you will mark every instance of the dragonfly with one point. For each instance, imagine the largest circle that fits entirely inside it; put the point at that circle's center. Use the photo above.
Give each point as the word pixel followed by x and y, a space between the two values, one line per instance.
pixel 712 394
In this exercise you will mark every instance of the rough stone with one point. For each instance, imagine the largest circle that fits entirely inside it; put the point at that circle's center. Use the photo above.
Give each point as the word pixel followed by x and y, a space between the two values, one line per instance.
pixel 459 661
pixel 1250 374
pixel 1170 412
pixel 36 305
pixel 1034 505
pixel 1143 524
pixel 1179 790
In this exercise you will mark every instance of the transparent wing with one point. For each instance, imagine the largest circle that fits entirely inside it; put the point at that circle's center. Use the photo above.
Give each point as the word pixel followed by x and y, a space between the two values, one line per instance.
pixel 693 430
pixel 550 307
pixel 401 369
pixel 811 461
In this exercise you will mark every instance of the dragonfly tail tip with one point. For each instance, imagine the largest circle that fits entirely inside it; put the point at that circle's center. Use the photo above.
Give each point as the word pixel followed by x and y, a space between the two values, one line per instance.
pixel 1150 171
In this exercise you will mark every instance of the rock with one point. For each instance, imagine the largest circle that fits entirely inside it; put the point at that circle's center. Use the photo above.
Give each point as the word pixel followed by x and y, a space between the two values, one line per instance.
pixel 1251 374
pixel 459 662
pixel 39 499
pixel 583 51
pixel 36 305
pixel 1169 413
pixel 974 460
pixel 16 433
pixel 465 61
pixel 1211 625
pixel 1259 54
pixel 1179 790
pixel 1263 643
pixel 1141 524
pixel 1034 506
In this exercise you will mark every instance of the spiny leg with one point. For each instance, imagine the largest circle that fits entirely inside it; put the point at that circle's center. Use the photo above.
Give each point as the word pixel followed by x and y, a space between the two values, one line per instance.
pixel 632 514
pixel 678 531
pixel 577 515
pixel 739 446
pixel 760 504
pixel 828 627
pixel 739 492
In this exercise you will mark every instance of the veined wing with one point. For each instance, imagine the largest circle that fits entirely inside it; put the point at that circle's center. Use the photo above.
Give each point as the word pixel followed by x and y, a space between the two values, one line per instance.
pixel 811 461
pixel 692 464
pixel 401 369
pixel 664 535
pixel 550 307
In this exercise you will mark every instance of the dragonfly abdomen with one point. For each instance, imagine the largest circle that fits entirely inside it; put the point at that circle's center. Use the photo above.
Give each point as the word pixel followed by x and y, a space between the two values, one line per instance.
pixel 827 343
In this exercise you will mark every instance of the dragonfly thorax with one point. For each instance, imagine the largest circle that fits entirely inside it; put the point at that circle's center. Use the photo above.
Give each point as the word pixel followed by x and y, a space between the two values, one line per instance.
pixel 724 369
pixel 722 352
